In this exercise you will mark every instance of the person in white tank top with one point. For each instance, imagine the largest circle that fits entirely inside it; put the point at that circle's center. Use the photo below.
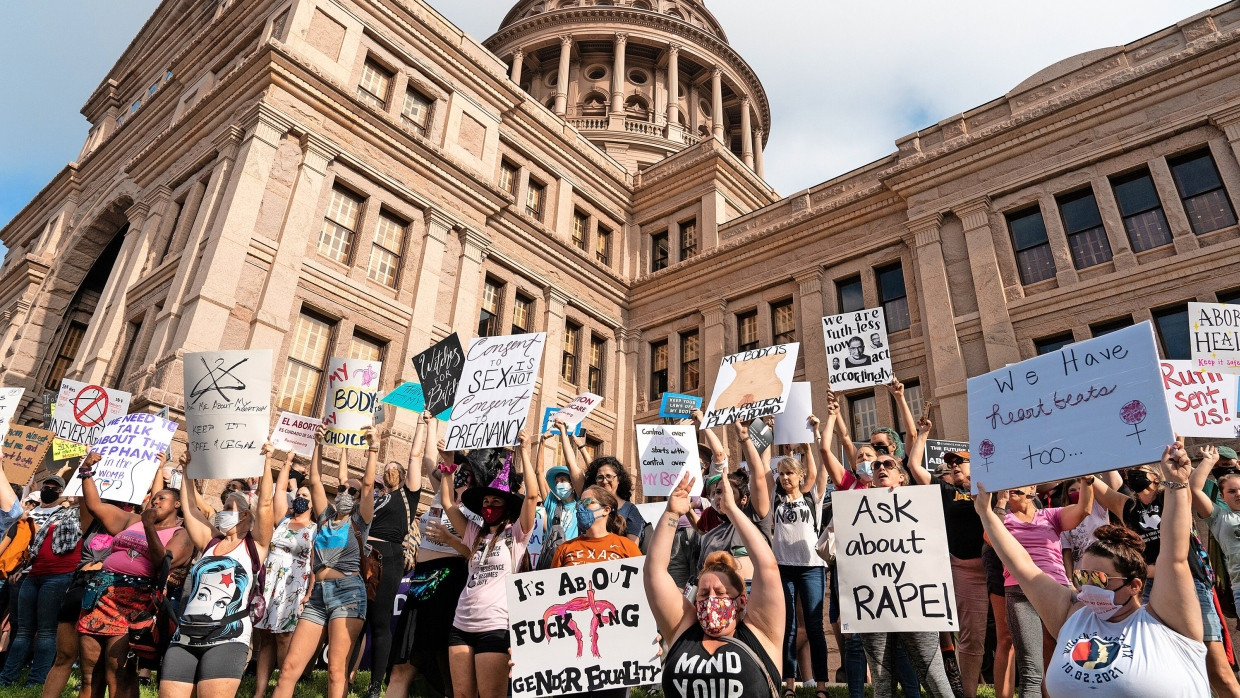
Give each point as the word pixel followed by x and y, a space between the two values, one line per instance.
pixel 1107 644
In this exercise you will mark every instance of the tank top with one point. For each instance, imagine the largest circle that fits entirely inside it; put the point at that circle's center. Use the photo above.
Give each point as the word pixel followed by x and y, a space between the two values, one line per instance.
pixel 335 544
pixel 129 551
pixel 1137 657
pixel 690 671
pixel 796 534
pixel 217 589
pixel 391 520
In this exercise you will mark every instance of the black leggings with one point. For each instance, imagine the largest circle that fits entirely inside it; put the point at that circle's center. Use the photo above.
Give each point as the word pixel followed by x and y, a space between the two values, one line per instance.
pixel 379 612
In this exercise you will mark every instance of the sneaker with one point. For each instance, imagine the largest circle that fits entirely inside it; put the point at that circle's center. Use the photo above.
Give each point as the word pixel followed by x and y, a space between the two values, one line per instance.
pixel 953 673
pixel 375 691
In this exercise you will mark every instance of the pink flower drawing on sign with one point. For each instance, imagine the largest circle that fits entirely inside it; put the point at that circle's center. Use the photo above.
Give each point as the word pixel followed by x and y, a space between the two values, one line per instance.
pixel 1134 413
pixel 368 375
pixel 986 449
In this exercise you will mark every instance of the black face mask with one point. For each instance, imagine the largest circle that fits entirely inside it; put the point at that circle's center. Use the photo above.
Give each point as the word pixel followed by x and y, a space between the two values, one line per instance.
pixel 1139 482
pixel 48 495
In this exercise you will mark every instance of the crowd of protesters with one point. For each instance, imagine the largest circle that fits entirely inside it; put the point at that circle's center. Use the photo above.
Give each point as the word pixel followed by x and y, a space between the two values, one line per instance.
pixel 277 576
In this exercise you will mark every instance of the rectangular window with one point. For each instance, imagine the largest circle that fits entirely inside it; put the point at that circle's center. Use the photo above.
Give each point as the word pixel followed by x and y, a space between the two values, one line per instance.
pixel 747 331
pixel 581 225
pixel 1033 250
pixel 488 315
pixel 135 107
pixel 594 378
pixel 386 251
pixel 658 369
pixel 522 313
pixel 366 348
pixel 535 199
pixel 1087 239
pixel 690 361
pixel 658 251
pixel 508 177
pixel 1201 190
pixel 864 416
pixel 892 296
pixel 850 295
pixel 1232 296
pixel 376 81
pixel 416 111
pixel 1047 345
pixel 1172 324
pixel 783 324
pixel 912 395
pixel 1101 328
pixel 572 349
pixel 64 357
pixel 340 225
pixel 1142 211
pixel 307 360
pixel 688 239
pixel 151 92
pixel 592 448
pixel 602 246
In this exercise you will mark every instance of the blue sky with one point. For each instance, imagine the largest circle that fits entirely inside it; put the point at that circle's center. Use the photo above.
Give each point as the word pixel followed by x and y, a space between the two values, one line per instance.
pixel 845 79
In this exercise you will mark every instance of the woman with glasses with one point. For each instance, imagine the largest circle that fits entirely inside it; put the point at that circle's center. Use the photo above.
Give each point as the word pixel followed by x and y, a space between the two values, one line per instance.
pixel 1108 643
pixel 607 472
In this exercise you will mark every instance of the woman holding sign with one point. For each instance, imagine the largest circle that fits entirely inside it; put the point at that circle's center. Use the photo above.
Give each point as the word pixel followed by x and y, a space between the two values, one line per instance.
pixel 726 641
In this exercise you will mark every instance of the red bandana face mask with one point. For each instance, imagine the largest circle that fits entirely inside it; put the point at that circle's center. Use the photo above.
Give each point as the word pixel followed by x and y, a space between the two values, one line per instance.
pixel 491 514
pixel 715 613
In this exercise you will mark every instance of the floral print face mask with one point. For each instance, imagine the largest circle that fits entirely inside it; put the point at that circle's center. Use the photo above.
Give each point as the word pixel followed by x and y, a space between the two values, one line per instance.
pixel 715 613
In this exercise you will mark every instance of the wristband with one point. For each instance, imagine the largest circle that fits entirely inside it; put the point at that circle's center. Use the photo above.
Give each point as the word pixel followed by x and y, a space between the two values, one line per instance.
pixel 88 474
pixel 1175 485
pixel 372 450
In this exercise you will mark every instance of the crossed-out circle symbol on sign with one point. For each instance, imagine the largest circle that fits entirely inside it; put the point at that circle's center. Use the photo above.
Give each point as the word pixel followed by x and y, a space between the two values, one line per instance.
pixel 90 406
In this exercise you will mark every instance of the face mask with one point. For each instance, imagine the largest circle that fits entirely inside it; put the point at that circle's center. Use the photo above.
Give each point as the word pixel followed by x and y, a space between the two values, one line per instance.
pixel 226 520
pixel 1100 601
pixel 1074 497
pixel 492 514
pixel 49 496
pixel 563 491
pixel 586 517
pixel 344 503
pixel 865 469
pixel 300 505
pixel 714 613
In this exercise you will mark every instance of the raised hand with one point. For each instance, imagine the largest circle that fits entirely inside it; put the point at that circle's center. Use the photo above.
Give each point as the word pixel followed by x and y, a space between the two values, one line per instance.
pixel 896 388
pixel 1208 455
pixel 678 500
pixel 981 503
pixel 320 434
pixel 371 436
pixel 1175 465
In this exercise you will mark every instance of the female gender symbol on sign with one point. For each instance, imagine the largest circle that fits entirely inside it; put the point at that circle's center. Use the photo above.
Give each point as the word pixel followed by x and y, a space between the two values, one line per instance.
pixel 90 406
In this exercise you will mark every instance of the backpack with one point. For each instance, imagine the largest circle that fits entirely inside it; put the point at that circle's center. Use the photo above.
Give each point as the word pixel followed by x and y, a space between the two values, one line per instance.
pixel 16 557
pixel 553 539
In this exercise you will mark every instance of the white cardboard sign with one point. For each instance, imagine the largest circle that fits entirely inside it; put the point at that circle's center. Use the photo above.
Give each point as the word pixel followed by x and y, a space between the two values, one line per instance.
pixel 752 384
pixel 895 573
pixel 858 354
pixel 82 410
pixel 1201 403
pixel 130 447
pixel 494 394
pixel 581 629
pixel 667 452
pixel 1089 407
pixel 352 393
pixel 574 412
pixel 792 425
pixel 9 399
pixel 1214 336
pixel 295 433
pixel 227 411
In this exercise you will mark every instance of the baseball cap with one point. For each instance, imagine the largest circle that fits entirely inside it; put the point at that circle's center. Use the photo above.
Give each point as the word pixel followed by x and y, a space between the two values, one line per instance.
pixel 55 479
pixel 1227 452
pixel 962 455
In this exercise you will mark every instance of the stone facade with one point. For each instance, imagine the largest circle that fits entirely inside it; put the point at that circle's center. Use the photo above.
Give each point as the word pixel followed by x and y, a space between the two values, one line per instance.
pixel 331 177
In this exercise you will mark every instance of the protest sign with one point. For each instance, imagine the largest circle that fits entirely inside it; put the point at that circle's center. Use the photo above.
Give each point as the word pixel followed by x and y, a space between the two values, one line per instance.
pixel 581 629
pixel 761 436
pixel 49 408
pixel 1088 407
pixel 494 394
pixel 9 399
pixel 352 393
pixel 407 396
pixel 677 406
pixel 936 449
pixel 227 411
pixel 295 433
pixel 667 452
pixel 1214 336
pixel 534 545
pixel 548 425
pixel 895 574
pixel 24 451
pixel 575 412
pixel 1201 403
pixel 440 369
pixel 792 425
pixel 130 448
pixel 752 384
pixel 82 410
pixel 858 354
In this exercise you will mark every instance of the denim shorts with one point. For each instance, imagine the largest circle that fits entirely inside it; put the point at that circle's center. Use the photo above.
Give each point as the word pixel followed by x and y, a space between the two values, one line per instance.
pixel 1212 625
pixel 336 598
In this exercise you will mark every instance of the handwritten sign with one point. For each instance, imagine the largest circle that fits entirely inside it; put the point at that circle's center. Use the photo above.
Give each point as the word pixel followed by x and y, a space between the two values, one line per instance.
pixel 24 451
pixel 675 405
pixel 667 452
pixel 1201 403
pixel 440 369
pixel 895 573
pixel 937 448
pixel 752 384
pixel 295 433
pixel 407 396
pixel 1214 336
pixel 82 410
pixel 1089 407
pixel 549 426
pixel 9 399
pixel 575 412
pixel 858 355
pixel 352 393
pixel 581 629
pixel 130 447
pixel 496 388
pixel 227 411
pixel 792 425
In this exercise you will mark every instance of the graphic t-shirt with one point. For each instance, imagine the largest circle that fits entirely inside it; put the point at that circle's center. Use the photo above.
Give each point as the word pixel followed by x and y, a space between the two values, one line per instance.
pixel 583 550
pixel 796 530
pixel 484 603
pixel 964 528
pixel 217 593
pixel 693 671
pixel 1079 538
pixel 1145 520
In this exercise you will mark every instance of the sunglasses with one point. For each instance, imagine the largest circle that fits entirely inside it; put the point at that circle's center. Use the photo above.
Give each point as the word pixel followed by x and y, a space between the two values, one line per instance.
pixel 353 491
pixel 1094 578
pixel 885 465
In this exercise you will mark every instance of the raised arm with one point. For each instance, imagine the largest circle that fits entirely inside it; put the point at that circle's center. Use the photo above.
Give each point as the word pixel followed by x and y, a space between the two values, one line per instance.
pixel 314 476
pixel 1108 495
pixel 1073 516
pixel 113 518
pixel 264 512
pixel 1173 600
pixel 719 454
pixel 1052 601
pixel 367 509
pixel 672 611
pixel 841 430
pixel 1203 506
pixel 540 465
pixel 196 524
pixel 576 474
pixel 530 506
pixel 916 463
pixel 759 473
pixel 811 482
pixel 830 464
pixel 765 611
pixel 896 388
pixel 279 499
pixel 413 468
pixel 447 497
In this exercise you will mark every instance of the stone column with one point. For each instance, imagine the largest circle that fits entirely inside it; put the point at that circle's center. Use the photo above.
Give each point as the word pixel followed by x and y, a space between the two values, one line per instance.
pixel 549 393
pixel 561 88
pixel 1121 251
pixel 193 202
pixel 1228 121
pixel 518 63
pixel 617 73
pixel 1182 235
pixel 474 248
pixel 716 104
pixel 758 167
pixel 1065 269
pixel 673 85
pixel 947 370
pixel 695 112
pixel 746 133
pixel 714 343
pixel 625 361
pixel 997 330
pixel 430 270
pixel 813 345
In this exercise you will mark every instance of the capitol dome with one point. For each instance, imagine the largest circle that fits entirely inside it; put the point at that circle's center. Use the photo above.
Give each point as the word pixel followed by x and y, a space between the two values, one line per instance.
pixel 642 79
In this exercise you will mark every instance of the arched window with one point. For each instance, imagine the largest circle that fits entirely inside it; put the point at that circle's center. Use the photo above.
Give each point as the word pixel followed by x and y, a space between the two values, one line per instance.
pixel 637 107
pixel 673 12
pixel 594 104
pixel 641 5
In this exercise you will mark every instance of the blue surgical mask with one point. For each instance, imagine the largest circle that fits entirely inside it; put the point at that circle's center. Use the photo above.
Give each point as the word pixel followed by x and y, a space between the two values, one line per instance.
pixel 563 491
pixel 865 469
pixel 586 516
